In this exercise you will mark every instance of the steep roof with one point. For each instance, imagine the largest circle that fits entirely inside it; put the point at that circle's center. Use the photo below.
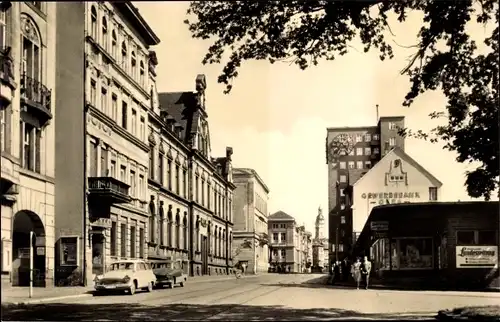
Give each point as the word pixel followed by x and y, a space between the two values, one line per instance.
pixel 280 215
pixel 399 152
pixel 181 108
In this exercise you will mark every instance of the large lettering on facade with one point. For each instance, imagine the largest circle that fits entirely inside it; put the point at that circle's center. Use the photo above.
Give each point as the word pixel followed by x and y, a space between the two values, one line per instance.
pixel 390 197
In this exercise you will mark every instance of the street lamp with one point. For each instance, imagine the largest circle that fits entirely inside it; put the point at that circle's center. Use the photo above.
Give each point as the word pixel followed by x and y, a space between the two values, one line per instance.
pixel 32 235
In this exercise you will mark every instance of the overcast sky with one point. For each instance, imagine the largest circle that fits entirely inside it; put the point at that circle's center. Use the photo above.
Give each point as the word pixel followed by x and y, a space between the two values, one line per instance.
pixel 276 115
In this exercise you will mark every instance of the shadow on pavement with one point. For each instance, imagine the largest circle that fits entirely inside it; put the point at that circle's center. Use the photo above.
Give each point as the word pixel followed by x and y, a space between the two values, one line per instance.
pixel 325 282
pixel 136 312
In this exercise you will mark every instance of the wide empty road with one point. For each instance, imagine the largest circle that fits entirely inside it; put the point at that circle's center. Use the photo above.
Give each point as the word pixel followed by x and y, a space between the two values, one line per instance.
pixel 267 297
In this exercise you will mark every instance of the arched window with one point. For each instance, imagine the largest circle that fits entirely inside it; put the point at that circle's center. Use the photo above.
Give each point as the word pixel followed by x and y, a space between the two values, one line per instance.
pixel 142 74
pixel 93 22
pixel 105 33
pixel 177 231
pixel 133 65
pixel 114 44
pixel 169 233
pixel 186 233
pixel 124 56
pixel 31 49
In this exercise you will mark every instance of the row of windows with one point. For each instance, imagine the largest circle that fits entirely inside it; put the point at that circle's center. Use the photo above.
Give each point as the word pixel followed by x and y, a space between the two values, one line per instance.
pixel 126 116
pixel 281 252
pixel 367 137
pixel 477 237
pixel 260 204
pixel 354 165
pixel 132 249
pixel 279 237
pixel 281 226
pixel 124 52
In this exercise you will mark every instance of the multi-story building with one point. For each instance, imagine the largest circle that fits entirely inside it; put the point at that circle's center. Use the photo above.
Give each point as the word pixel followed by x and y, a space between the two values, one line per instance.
pixel 350 153
pixel 112 221
pixel 27 88
pixel 250 219
pixel 288 251
pixel 304 241
pixel 320 244
pixel 357 184
pixel 191 193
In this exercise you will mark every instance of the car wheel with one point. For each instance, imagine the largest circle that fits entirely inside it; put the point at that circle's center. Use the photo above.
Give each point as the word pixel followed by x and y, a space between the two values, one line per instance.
pixel 181 284
pixel 172 283
pixel 150 287
pixel 131 290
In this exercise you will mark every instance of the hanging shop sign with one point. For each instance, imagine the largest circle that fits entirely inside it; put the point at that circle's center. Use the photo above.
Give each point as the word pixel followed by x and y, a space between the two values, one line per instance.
pixel 477 256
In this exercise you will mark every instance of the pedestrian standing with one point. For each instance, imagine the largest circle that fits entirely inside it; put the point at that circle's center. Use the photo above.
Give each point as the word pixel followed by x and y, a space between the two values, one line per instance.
pixel 345 270
pixel 356 272
pixel 366 268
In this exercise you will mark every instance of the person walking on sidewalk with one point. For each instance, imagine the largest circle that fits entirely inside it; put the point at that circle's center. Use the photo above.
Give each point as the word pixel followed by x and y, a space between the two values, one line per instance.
pixel 356 272
pixel 366 268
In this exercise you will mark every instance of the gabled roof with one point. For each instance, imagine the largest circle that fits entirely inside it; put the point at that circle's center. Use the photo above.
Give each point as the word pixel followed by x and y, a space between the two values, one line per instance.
pixel 280 215
pixel 400 153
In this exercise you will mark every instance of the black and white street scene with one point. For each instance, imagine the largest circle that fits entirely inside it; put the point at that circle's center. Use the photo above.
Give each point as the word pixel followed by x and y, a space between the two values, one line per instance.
pixel 249 160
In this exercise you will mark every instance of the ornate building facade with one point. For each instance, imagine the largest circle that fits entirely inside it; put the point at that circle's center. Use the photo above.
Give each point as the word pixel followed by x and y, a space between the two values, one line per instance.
pixel 27 82
pixel 191 193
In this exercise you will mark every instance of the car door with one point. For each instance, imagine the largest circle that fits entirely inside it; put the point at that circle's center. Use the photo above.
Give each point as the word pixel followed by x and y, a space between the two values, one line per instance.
pixel 141 279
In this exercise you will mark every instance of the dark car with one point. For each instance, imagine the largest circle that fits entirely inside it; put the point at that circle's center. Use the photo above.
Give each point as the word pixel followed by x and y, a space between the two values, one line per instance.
pixel 168 272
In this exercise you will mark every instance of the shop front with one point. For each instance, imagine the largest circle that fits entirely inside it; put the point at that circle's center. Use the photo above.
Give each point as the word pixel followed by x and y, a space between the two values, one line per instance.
pixel 436 243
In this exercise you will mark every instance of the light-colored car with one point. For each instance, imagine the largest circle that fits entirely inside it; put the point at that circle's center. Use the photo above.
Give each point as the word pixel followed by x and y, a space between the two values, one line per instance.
pixel 168 272
pixel 126 275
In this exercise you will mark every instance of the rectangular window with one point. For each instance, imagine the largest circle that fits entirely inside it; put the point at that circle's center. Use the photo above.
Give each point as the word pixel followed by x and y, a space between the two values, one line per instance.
pixel 392 126
pixel 113 236
pixel 342 164
pixel 376 151
pixel 132 183
pixel 368 151
pixel 368 137
pixel 275 235
pixel 283 253
pixel 123 240
pixel 392 141
pixel 142 129
pixel 141 186
pixel 343 178
pixel 202 192
pixel 4 116
pixel 151 162
pixel 196 188
pixel 93 93
pixel 114 107
pixel 368 164
pixel 487 237
pixel 375 137
pixel 112 169
pixel 160 168
pixel 3 27
pixel 184 182
pixel 169 174
pixel 104 162
pixel 359 151
pixel 351 164
pixel 283 237
pixel 124 115
pixel 359 164
pixel 177 179
pixel 342 219
pixel 342 192
pixel 93 159
pixel 123 171
pixel 433 194
pixel 104 100
pixel 359 138
pixel 141 242
pixel 466 237
pixel 132 242
pixel 133 121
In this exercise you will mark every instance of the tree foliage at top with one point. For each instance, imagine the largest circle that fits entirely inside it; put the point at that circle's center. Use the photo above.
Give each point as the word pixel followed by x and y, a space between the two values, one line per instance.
pixel 445 58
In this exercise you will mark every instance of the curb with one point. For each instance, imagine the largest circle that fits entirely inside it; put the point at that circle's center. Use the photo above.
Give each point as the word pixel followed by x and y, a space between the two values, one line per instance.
pixel 89 293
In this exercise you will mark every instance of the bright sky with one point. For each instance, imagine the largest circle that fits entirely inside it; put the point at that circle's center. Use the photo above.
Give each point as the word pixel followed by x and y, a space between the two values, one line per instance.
pixel 276 116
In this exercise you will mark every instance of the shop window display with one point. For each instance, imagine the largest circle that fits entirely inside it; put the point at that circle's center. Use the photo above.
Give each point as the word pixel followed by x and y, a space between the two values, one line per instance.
pixel 415 253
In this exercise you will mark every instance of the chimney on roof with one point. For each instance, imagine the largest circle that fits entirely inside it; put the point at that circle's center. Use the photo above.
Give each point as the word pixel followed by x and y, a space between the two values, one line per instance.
pixel 229 152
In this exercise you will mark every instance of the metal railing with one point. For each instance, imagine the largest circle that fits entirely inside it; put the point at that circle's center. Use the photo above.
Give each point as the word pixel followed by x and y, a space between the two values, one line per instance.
pixel 108 184
pixel 35 91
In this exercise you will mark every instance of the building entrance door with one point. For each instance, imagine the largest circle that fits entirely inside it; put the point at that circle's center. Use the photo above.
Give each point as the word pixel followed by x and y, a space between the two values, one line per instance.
pixel 204 255
pixel 97 254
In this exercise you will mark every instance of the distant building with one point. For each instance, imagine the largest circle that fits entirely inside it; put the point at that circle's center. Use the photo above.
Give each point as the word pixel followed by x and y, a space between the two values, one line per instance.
pixel 250 220
pixel 287 248
pixel 319 245
pixel 350 153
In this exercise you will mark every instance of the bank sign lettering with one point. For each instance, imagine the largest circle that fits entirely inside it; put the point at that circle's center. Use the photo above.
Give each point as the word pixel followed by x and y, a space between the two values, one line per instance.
pixel 477 256
pixel 390 197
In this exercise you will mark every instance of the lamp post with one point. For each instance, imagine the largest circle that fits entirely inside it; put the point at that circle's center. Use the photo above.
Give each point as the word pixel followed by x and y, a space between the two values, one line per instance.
pixel 32 234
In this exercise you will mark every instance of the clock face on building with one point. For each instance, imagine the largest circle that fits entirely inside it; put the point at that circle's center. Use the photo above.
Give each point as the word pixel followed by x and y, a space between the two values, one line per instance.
pixel 340 144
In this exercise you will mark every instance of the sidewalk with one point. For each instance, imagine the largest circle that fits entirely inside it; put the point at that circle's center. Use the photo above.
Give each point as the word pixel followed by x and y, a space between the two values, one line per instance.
pixel 20 295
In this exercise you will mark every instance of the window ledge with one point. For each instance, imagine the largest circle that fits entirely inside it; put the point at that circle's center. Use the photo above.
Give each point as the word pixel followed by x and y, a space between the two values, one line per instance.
pixel 36 175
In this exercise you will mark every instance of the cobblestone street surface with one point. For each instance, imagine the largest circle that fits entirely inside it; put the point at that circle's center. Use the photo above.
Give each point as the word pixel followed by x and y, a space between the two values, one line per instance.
pixel 265 298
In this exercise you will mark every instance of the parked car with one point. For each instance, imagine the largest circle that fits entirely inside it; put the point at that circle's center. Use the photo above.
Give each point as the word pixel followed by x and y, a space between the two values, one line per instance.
pixel 126 275
pixel 168 272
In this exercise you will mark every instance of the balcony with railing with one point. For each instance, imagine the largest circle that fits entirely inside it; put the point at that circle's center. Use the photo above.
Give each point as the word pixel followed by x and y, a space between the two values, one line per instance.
pixel 36 97
pixel 7 68
pixel 108 190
